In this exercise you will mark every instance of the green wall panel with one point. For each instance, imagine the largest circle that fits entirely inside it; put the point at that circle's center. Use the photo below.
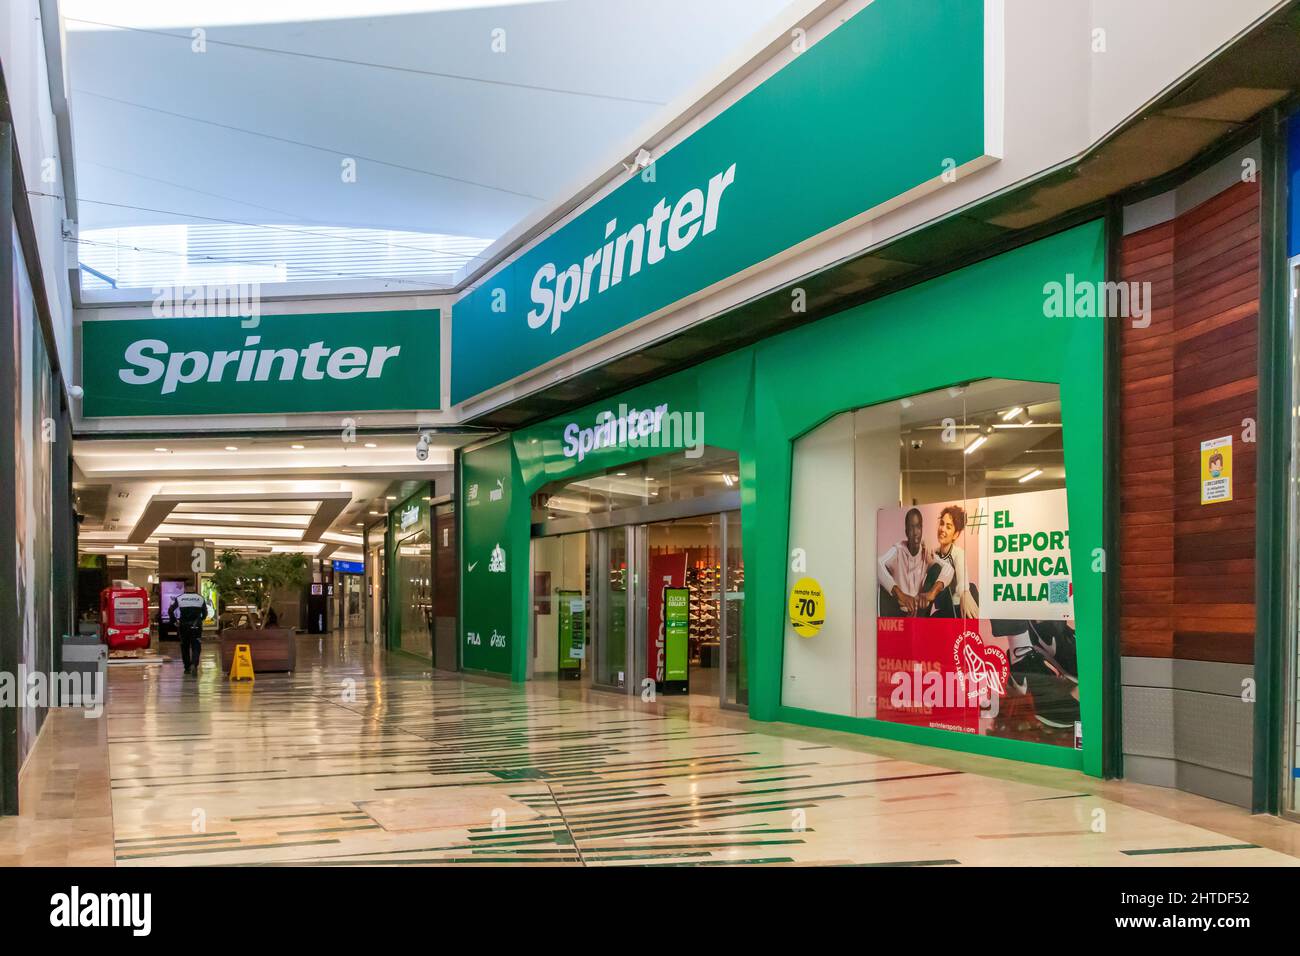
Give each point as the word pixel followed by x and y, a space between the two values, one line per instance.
pixel 494 562
pixel 984 321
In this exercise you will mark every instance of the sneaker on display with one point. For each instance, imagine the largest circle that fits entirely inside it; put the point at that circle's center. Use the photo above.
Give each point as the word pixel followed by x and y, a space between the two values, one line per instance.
pixel 1054 703
pixel 1055 641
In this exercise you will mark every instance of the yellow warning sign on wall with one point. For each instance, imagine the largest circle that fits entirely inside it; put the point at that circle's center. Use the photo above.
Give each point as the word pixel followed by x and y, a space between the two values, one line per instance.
pixel 807 607
pixel 1216 470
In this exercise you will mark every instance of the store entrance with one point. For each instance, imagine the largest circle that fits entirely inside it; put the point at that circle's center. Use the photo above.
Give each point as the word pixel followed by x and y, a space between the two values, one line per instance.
pixel 662 601
pixel 638 579
pixel 694 601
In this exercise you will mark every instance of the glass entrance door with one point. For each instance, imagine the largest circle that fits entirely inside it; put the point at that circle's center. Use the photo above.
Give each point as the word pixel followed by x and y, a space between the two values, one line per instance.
pixel 697 559
pixel 615 602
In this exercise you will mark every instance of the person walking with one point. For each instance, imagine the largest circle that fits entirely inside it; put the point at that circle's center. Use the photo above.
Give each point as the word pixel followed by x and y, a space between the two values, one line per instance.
pixel 187 612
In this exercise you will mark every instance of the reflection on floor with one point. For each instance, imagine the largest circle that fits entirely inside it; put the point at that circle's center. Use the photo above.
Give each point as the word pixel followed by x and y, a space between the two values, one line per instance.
pixel 361 758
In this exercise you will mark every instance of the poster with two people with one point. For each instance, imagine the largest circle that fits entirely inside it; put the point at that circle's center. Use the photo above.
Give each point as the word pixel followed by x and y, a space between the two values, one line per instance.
pixel 975 619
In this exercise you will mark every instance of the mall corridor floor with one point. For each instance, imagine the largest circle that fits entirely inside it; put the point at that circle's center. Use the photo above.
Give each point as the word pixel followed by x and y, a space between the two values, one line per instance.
pixel 363 758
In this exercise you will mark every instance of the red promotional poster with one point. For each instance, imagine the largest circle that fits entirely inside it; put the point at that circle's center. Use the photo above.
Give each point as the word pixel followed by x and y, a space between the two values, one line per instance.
pixel 666 571
pixel 975 630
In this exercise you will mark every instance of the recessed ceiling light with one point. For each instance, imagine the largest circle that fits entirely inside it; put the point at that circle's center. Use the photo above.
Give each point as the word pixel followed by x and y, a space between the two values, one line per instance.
pixel 979 440
pixel 232 448
pixel 1012 413
pixel 161 451
pixel 371 444
pixel 392 497
pixel 1032 475
pixel 297 447
pixel 621 474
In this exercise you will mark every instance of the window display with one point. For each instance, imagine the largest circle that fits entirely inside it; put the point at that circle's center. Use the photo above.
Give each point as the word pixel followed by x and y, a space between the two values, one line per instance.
pixel 948 588
pixel 974 627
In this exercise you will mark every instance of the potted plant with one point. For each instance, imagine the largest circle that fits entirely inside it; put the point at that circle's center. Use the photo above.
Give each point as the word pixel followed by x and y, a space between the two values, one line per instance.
pixel 254 581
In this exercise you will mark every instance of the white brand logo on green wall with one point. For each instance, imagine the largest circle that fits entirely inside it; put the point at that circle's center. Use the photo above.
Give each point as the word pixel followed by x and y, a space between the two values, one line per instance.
pixel 694 214
pixel 212 365
pixel 144 365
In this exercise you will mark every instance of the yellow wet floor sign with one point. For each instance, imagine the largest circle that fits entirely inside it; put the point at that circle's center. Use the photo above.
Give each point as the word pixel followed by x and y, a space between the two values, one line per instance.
pixel 241 668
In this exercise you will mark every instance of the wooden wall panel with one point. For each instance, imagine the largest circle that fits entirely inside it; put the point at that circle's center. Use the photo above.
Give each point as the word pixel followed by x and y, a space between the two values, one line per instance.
pixel 1187 570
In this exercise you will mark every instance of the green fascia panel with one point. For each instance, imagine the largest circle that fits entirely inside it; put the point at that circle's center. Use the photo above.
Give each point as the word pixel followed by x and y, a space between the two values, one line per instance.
pixel 878 110
pixel 986 320
pixel 194 366
pixel 1022 750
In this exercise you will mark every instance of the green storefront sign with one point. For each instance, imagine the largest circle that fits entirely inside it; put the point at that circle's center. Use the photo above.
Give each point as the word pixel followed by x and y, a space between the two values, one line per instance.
pixel 889 104
pixel 336 362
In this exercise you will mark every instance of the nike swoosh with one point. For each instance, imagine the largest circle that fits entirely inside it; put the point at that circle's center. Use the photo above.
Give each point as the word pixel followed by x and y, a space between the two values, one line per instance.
pixel 1051 648
pixel 1022 687
pixel 471 567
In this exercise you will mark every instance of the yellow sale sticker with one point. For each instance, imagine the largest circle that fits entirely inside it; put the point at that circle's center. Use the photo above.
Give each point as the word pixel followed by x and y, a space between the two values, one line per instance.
pixel 807 607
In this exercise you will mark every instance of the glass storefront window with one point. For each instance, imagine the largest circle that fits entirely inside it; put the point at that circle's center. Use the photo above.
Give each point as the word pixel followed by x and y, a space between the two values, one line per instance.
pixel 614 587
pixel 936 528
pixel 657 480
pixel 446 591
pixel 560 606
pixel 736 691
pixel 415 594
pixel 649 555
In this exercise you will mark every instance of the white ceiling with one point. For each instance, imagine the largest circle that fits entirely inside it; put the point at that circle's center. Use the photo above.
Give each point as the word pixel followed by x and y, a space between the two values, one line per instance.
pixel 307 493
pixel 449 137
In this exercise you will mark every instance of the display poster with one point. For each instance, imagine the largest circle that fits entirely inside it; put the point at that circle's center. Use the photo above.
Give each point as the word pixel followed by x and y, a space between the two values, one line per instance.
pixel 208 588
pixel 975 625
pixel 168 592
pixel 571 629
pixel 676 603
pixel 1216 470
pixel 666 571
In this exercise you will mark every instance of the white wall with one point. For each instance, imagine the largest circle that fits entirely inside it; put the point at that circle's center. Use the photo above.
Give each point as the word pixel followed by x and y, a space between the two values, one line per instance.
pixel 22 55
pixel 818 671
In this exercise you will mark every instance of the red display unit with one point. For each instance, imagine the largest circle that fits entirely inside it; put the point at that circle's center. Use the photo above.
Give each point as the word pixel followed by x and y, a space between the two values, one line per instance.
pixel 124 616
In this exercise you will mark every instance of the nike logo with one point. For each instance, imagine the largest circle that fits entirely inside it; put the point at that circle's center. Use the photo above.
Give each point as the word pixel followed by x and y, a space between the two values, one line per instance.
pixel 1050 648
pixel 1021 686
pixel 471 567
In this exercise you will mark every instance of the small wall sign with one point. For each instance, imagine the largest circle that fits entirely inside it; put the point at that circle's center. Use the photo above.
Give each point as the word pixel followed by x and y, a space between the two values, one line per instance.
pixel 1216 470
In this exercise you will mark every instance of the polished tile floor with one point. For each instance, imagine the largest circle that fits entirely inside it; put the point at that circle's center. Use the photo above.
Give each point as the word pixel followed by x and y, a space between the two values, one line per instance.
pixel 362 758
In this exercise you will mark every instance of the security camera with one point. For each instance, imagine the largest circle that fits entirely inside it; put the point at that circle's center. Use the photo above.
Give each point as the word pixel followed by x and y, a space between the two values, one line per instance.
pixel 641 160
pixel 422 447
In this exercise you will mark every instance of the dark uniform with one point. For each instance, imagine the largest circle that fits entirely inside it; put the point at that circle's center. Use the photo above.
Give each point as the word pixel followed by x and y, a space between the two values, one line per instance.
pixel 188 611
